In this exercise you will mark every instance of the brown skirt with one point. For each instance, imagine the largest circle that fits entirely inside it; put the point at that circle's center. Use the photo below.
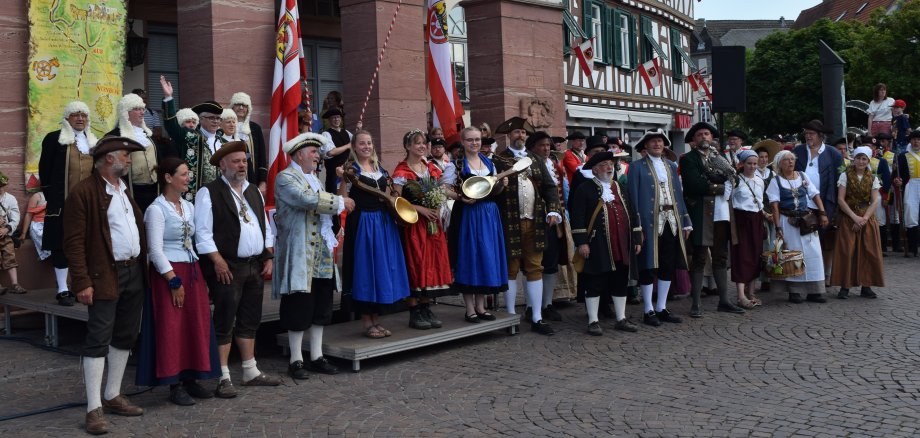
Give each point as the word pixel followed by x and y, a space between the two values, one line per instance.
pixel 745 256
pixel 857 255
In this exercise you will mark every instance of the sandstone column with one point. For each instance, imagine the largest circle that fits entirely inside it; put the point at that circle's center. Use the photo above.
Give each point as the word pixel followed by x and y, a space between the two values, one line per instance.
pixel 225 47
pixel 515 61
pixel 398 101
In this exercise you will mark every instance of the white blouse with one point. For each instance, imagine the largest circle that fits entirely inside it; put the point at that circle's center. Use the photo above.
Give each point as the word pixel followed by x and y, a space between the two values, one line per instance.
pixel 801 178
pixel 842 181
pixel 748 195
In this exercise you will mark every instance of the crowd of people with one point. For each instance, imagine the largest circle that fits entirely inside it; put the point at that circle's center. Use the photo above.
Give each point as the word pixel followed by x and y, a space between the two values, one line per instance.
pixel 160 228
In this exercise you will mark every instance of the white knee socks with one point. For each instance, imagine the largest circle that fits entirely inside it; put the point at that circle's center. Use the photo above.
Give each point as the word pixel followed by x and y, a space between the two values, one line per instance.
pixel 250 370
pixel 592 304
pixel 118 360
pixel 549 286
pixel 647 297
pixel 316 342
pixel 535 296
pixel 60 274
pixel 511 296
pixel 619 306
pixel 663 287
pixel 93 368
pixel 295 344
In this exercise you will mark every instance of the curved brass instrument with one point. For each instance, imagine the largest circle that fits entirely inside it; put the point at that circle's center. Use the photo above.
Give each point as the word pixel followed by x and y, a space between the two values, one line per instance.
pixel 479 187
pixel 401 208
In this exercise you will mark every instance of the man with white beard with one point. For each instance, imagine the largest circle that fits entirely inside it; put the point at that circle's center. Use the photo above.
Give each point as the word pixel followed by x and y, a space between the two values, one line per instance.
pixel 607 242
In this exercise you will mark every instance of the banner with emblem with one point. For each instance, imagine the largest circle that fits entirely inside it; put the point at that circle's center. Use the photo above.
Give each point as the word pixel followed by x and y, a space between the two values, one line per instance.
pixel 447 111
pixel 77 51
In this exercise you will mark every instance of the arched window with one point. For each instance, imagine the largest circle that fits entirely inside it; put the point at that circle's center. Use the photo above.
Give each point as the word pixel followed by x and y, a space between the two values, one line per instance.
pixel 456 33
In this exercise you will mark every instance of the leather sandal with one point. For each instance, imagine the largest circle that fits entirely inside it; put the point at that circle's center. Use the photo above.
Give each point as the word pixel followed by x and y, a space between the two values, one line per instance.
pixel 383 330
pixel 373 333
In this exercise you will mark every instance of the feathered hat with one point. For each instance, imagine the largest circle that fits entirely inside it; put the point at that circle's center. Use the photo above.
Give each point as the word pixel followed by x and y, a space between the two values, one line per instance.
pixel 186 114
pixel 68 135
pixel 243 99
pixel 127 103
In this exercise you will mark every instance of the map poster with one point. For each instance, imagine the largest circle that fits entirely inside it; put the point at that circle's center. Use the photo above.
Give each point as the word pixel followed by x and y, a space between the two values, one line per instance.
pixel 76 52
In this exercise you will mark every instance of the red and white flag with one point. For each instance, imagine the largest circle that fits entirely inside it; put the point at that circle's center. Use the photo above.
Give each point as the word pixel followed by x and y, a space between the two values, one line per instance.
pixel 290 70
pixel 651 73
pixel 585 54
pixel 447 110
pixel 697 83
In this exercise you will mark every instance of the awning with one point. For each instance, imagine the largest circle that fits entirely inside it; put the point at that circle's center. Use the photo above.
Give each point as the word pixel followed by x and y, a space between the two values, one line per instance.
pixel 612 114
pixel 685 56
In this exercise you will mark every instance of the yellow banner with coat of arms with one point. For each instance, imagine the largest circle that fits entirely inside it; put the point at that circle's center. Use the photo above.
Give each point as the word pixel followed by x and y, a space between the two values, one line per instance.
pixel 77 52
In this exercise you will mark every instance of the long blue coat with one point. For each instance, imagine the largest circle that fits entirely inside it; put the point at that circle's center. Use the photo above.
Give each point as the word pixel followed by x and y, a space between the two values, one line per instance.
pixel 300 252
pixel 829 163
pixel 643 195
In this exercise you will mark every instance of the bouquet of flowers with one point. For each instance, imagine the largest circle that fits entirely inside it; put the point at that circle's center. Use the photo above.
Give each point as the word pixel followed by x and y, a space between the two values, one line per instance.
pixel 428 193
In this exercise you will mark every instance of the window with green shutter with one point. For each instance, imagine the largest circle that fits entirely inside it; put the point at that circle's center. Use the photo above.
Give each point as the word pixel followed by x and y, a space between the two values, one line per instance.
pixel 623 39
pixel 650 45
pixel 596 24
pixel 677 63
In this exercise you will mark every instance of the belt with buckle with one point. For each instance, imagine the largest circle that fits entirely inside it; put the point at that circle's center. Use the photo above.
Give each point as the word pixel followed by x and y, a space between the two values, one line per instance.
pixel 126 263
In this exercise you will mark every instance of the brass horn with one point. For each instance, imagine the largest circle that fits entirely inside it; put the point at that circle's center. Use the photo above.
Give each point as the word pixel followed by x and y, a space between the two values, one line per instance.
pixel 401 208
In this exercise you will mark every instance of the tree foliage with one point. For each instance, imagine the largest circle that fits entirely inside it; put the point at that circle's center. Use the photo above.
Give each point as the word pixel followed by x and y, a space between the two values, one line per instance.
pixel 784 75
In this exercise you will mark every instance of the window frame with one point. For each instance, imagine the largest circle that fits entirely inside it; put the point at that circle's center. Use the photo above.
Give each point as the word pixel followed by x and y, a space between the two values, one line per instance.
pixel 630 45
pixel 460 39
pixel 650 46
pixel 600 33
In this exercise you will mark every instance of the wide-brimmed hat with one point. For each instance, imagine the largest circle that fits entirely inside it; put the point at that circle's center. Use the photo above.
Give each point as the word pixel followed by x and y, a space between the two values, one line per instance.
pixel 334 111
pixel 112 144
pixel 700 125
pixel 514 123
pixel 208 106
pixel 640 145
pixel 603 156
pixel 537 137
pixel 227 149
pixel 771 146
pixel 817 126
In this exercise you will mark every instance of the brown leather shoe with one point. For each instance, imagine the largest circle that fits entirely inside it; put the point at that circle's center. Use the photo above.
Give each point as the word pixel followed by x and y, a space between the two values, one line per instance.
pixel 95 422
pixel 121 406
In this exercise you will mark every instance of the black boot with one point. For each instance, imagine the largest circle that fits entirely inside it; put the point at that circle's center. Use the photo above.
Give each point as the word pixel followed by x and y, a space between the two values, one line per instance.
pixel 911 242
pixel 430 316
pixel 416 320
pixel 696 284
pixel 895 234
pixel 883 237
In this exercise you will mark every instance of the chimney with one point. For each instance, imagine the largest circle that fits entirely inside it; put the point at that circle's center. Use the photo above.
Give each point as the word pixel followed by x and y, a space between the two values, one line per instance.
pixel 782 21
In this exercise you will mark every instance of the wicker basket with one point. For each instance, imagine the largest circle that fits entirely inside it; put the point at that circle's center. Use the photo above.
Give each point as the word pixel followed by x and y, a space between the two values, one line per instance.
pixel 782 263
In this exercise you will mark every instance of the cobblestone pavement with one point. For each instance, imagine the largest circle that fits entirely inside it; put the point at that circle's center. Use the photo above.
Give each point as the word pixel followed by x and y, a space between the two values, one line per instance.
pixel 845 368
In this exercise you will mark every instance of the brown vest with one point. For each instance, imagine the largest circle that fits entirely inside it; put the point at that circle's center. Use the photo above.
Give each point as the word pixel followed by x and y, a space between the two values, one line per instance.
pixel 859 192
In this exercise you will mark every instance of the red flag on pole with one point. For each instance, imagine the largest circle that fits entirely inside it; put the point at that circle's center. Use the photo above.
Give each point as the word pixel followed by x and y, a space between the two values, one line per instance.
pixel 651 73
pixel 290 69
pixel 447 111
pixel 697 83
pixel 585 54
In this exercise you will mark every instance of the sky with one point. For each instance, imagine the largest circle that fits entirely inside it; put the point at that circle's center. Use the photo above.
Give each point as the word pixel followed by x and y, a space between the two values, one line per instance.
pixel 751 9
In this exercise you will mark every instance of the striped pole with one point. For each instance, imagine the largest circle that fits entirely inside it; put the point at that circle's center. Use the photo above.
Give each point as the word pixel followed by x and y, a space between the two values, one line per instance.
pixel 383 50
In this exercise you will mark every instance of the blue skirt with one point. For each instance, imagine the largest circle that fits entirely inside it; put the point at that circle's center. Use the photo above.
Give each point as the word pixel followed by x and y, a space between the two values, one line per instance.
pixel 481 266
pixel 379 273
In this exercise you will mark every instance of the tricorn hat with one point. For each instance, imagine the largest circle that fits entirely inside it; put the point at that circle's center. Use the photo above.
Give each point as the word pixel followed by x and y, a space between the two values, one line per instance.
pixel 112 144
pixel 659 133
pixel 208 106
pixel 334 111
pixel 536 138
pixel 227 149
pixel 736 133
pixel 307 139
pixel 486 141
pixel 557 139
pixel 699 125
pixel 576 135
pixel 884 136
pixel 913 135
pixel 603 156
pixel 514 123
pixel 438 142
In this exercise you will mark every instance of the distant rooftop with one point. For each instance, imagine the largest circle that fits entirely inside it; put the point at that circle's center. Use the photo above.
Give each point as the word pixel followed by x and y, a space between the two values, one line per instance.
pixel 715 33
pixel 843 10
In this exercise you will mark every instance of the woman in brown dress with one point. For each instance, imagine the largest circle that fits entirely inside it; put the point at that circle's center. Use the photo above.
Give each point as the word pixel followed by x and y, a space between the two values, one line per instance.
pixel 858 254
pixel 748 202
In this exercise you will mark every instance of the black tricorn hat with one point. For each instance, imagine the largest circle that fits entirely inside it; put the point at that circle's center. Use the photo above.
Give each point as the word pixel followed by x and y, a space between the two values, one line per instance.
pixel 334 111
pixel 603 156
pixel 536 138
pixel 577 135
pixel 208 106
pixel 700 125
pixel 514 123
pixel 817 126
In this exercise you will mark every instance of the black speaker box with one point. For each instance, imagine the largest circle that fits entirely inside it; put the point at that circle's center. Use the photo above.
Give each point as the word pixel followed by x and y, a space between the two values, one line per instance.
pixel 728 80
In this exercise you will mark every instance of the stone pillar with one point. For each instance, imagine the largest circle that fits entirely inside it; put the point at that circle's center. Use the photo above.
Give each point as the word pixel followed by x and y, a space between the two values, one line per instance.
pixel 515 61
pixel 225 47
pixel 14 59
pixel 398 101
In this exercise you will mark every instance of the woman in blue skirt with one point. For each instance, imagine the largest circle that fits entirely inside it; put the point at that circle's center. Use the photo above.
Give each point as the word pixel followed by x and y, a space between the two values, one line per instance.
pixel 476 241
pixel 374 267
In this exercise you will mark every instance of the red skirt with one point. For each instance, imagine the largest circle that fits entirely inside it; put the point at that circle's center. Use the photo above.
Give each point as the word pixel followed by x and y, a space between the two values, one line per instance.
pixel 427 261
pixel 182 334
pixel 750 231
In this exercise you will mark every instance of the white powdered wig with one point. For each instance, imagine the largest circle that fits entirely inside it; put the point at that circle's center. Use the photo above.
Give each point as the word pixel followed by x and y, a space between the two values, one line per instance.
pixel 228 114
pixel 186 114
pixel 127 103
pixel 243 99
pixel 68 136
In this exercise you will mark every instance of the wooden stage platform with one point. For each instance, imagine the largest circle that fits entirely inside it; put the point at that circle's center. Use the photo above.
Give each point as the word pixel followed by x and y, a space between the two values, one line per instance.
pixel 43 301
pixel 347 340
